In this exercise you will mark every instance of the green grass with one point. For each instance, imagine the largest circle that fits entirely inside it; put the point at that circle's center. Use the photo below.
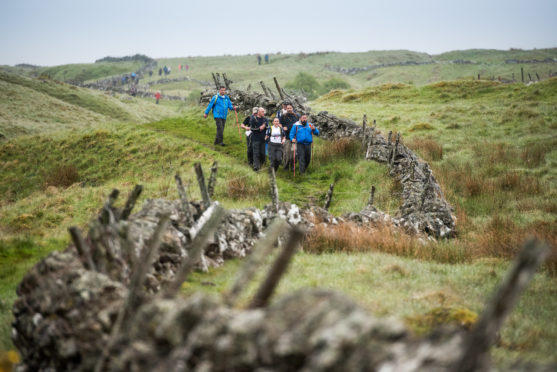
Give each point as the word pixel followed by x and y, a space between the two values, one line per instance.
pixel 31 106
pixel 491 146
pixel 387 285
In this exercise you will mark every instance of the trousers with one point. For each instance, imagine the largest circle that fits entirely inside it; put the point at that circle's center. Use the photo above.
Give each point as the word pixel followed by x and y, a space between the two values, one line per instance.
pixel 275 155
pixel 303 155
pixel 220 130
pixel 258 154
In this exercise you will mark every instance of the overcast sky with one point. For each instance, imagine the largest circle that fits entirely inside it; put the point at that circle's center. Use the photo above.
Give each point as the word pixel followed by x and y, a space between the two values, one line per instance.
pixel 53 32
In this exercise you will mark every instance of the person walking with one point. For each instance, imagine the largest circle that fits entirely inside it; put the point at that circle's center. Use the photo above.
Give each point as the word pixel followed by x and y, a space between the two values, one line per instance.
pixel 302 136
pixel 245 126
pixel 275 136
pixel 258 125
pixel 220 104
pixel 157 97
pixel 288 120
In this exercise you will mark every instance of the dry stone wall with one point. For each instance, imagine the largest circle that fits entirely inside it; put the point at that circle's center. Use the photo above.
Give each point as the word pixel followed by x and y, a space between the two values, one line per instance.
pixel 111 302
pixel 424 208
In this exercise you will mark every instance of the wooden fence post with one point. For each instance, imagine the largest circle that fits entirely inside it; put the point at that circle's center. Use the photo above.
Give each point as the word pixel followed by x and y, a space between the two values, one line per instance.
pixel 184 199
pixel 278 88
pixel 329 197
pixel 364 123
pixel 371 196
pixel 202 186
pixel 213 179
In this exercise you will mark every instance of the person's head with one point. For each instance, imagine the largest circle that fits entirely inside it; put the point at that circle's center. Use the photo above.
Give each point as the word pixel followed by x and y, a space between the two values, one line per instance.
pixel 222 90
pixel 261 112
pixel 284 104
pixel 276 122
pixel 254 110
pixel 289 109
pixel 303 119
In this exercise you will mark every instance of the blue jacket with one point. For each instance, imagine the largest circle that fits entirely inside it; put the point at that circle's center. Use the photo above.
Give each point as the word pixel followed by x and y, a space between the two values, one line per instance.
pixel 303 133
pixel 220 107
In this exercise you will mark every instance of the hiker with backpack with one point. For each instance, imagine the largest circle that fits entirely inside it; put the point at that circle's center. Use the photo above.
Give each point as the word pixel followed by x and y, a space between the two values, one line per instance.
pixel 275 136
pixel 258 125
pixel 220 104
pixel 301 136
pixel 245 126
pixel 287 121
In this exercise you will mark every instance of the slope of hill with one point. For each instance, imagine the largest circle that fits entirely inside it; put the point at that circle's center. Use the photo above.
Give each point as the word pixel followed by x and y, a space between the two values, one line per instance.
pixel 29 105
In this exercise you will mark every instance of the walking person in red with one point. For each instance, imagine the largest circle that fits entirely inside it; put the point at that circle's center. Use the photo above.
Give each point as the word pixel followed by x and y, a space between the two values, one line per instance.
pixel 158 96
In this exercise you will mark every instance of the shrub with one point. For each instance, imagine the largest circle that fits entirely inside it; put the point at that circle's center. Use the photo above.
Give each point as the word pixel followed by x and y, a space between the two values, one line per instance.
pixel 305 83
pixel 347 148
pixel 421 126
pixel 63 175
pixel 534 155
pixel 243 188
pixel 335 83
pixel 427 147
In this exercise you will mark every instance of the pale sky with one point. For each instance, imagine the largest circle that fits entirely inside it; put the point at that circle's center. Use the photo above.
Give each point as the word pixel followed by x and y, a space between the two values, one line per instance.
pixel 53 32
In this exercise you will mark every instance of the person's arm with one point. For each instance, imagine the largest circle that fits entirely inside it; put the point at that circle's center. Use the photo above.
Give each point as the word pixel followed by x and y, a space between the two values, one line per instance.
pixel 230 105
pixel 253 124
pixel 293 133
pixel 209 106
pixel 315 131
pixel 264 125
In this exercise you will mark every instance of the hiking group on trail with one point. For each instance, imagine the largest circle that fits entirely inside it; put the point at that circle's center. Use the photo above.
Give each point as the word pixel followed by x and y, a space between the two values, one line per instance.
pixel 289 139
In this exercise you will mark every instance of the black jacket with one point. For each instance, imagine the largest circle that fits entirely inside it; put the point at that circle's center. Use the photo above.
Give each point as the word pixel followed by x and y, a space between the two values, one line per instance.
pixel 254 124
pixel 287 121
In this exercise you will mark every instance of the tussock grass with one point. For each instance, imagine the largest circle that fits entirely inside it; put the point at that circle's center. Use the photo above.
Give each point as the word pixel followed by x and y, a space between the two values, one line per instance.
pixel 427 147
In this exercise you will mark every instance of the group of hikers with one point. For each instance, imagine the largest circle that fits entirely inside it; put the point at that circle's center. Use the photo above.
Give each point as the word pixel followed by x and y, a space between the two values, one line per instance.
pixel 287 140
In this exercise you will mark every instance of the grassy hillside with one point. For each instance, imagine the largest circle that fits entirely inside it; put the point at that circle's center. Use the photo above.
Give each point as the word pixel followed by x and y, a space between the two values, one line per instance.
pixel 244 69
pixel 492 147
pixel 30 105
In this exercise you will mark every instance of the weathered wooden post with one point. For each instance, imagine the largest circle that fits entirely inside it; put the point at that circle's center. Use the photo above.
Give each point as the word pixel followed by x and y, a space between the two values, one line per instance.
pixel 478 76
pixel 207 226
pixel 134 288
pixel 371 196
pixel 484 333
pixel 264 88
pixel 218 80
pixel 82 248
pixel 212 179
pixel 262 249
pixel 265 291
pixel 107 213
pixel 329 197
pixel 395 148
pixel 184 199
pixel 274 189
pixel 202 186
pixel 215 80
pixel 130 203
pixel 529 77
pixel 426 188
pixel 278 88
pixel 538 76
pixel 522 73
pixel 364 123
pixel 226 81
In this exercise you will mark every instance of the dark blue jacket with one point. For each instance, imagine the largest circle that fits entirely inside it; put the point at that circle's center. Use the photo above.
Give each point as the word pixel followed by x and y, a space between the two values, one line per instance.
pixel 220 106
pixel 303 133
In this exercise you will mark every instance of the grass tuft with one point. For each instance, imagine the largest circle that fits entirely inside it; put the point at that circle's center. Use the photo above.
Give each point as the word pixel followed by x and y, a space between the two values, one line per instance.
pixel 63 175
